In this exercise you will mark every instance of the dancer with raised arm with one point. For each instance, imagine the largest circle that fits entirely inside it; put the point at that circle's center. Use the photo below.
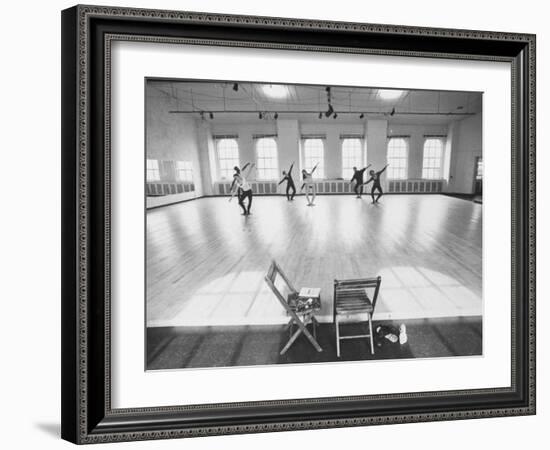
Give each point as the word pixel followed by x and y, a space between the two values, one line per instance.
pixel 243 190
pixel 310 185
pixel 375 178
pixel 358 178
pixel 290 187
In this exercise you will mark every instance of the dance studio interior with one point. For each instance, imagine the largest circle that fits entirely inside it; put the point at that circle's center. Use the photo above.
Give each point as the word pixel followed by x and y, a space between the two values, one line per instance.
pixel 299 224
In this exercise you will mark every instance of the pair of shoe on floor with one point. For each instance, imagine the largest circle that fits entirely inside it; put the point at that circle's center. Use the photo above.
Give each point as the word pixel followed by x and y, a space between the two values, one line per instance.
pixel 391 335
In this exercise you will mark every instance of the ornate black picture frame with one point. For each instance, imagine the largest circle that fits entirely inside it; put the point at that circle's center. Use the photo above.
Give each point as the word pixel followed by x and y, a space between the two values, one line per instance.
pixel 87 34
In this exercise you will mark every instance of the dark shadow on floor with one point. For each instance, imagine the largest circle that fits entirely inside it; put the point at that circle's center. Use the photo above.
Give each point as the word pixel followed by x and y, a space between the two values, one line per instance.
pixel 52 429
pixel 476 198
pixel 186 347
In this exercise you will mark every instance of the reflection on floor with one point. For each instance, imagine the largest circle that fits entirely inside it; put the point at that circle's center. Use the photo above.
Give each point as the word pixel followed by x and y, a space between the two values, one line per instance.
pixel 187 347
pixel 206 262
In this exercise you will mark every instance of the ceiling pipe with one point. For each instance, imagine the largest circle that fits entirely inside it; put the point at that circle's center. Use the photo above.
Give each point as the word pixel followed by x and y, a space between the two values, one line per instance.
pixel 400 113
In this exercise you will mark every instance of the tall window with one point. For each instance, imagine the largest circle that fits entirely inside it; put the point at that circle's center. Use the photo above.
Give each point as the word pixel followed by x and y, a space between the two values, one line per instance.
pixel 228 156
pixel 352 156
pixel 314 150
pixel 398 149
pixel 266 154
pixel 153 173
pixel 433 157
pixel 184 170
pixel 479 169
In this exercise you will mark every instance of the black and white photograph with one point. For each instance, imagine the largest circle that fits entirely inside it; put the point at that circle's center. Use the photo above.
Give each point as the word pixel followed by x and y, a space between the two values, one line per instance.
pixel 298 224
pixel 277 225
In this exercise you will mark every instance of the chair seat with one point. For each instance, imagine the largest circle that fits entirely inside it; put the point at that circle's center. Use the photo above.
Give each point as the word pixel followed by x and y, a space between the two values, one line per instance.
pixel 353 301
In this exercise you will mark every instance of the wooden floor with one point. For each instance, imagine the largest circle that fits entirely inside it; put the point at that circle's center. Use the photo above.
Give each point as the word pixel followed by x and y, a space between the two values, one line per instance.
pixel 206 262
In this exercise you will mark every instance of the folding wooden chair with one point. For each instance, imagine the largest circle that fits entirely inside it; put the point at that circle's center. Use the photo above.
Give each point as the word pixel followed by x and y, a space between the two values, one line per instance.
pixel 291 305
pixel 351 298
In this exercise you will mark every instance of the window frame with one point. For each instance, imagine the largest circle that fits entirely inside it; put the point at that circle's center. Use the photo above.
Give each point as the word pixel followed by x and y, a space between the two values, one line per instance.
pixel 259 168
pixel 439 167
pixel 188 170
pixel 149 170
pixel 236 160
pixel 363 155
pixel 392 167
pixel 479 173
pixel 319 173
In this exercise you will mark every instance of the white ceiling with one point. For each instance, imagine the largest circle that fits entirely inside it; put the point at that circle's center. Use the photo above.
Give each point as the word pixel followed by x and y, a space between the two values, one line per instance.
pixel 305 102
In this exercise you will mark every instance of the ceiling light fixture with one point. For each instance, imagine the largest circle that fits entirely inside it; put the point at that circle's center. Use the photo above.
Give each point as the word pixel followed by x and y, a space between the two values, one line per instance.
pixel 275 90
pixel 236 87
pixel 389 94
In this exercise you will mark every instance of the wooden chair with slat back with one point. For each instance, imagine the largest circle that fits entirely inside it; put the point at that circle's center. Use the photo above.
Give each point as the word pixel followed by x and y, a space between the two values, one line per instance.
pixel 352 300
pixel 287 303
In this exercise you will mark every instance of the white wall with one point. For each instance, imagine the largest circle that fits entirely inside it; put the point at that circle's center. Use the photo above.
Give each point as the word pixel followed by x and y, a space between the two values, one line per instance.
pixel 375 131
pixel 332 129
pixel 246 132
pixel 468 137
pixel 171 138
pixel 416 139
pixel 288 132
pixel 31 242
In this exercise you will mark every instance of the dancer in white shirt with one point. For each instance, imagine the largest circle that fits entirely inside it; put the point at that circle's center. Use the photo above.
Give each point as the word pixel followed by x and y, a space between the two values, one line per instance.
pixel 311 187
pixel 243 188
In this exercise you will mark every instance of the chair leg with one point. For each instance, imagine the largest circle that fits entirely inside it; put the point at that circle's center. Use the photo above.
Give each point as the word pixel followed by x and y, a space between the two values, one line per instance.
pixel 371 335
pixel 290 327
pixel 314 324
pixel 291 341
pixel 337 325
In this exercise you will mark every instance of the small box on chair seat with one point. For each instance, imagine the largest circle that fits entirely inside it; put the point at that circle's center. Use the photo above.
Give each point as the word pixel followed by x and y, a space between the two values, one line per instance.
pixel 308 299
pixel 310 292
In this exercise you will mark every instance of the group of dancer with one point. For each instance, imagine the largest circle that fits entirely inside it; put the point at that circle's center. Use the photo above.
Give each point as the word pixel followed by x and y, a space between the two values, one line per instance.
pixel 374 178
pixel 311 190
pixel 242 188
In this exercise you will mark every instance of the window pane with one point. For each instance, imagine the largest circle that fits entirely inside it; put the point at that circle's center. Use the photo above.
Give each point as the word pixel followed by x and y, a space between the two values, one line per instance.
pixel 153 173
pixel 314 154
pixel 267 160
pixel 479 172
pixel 228 156
pixel 398 149
pixel 433 152
pixel 184 171
pixel 352 156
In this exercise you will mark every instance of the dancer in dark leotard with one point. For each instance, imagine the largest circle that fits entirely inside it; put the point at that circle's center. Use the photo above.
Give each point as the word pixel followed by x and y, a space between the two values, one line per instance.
pixel 289 183
pixel 375 178
pixel 358 178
